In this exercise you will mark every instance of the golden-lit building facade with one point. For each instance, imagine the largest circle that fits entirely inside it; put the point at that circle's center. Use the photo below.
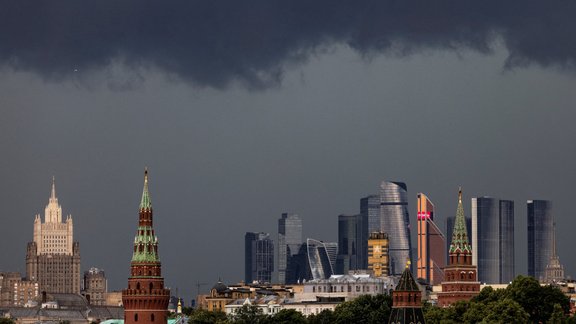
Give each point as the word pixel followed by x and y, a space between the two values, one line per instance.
pixel 431 244
pixel 378 248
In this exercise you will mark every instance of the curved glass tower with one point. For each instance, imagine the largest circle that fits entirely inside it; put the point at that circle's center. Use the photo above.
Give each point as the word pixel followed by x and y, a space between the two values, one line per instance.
pixel 395 222
pixel 321 258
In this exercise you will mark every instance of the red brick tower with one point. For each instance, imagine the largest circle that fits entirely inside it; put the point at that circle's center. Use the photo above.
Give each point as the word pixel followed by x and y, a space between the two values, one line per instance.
pixel 146 300
pixel 460 276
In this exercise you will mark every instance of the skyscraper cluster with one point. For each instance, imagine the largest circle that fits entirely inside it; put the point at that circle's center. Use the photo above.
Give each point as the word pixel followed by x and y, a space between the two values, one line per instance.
pixel 385 216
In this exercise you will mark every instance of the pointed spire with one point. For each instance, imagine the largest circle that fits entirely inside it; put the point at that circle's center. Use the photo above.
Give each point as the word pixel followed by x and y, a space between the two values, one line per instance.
pixel 145 203
pixel 53 194
pixel 460 241
pixel 554 240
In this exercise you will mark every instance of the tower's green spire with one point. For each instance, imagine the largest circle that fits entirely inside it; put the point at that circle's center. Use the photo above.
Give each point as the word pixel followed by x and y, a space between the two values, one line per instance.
pixel 145 203
pixel 460 241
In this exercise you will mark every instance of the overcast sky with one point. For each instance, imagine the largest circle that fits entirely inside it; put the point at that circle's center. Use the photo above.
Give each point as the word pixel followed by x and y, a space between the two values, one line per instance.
pixel 244 111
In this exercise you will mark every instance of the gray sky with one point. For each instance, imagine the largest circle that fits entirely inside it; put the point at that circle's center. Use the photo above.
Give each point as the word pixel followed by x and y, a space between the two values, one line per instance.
pixel 238 133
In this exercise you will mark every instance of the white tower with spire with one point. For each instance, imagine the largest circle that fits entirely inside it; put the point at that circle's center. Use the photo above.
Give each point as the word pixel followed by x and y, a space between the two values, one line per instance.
pixel 53 258
pixel 554 272
pixel 53 236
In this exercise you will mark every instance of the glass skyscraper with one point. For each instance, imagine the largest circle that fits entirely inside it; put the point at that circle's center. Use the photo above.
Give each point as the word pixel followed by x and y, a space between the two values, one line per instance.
pixel 395 222
pixel 347 244
pixel 493 239
pixel 540 236
pixel 289 244
pixel 431 244
pixel 258 257
pixel 321 258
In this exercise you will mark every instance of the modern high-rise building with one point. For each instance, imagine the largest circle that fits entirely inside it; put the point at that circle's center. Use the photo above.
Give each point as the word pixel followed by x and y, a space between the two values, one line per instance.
pixel 378 254
pixel 347 244
pixel 395 221
pixel 146 300
pixel 53 258
pixel 370 207
pixel 460 275
pixel 352 240
pixel 493 239
pixel 431 243
pixel 258 257
pixel 289 244
pixel 321 258
pixel 540 236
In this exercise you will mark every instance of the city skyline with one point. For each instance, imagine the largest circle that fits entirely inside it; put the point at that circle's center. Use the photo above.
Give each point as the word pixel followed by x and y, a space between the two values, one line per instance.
pixel 246 112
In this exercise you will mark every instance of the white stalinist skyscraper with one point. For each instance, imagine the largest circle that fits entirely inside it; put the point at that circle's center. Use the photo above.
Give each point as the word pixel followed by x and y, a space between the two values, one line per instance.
pixel 53 258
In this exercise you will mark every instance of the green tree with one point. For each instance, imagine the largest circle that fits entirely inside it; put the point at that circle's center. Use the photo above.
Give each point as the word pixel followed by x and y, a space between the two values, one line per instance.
pixel 324 317
pixel 4 320
pixel 364 309
pixel 475 313
pixel 435 315
pixel 505 311
pixel 558 316
pixel 536 300
pixel 202 316
pixel 288 316
pixel 249 314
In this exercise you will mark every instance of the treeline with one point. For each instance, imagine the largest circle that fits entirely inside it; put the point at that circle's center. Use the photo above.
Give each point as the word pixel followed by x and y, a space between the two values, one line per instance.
pixel 523 301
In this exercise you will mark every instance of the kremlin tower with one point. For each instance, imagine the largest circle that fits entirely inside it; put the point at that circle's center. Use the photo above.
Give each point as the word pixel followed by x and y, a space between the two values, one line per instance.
pixel 460 276
pixel 146 300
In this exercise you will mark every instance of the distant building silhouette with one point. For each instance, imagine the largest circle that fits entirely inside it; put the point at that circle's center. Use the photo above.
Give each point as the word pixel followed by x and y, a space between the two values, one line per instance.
pixel 493 239
pixel 554 269
pixel 431 243
pixel 95 286
pixel 540 236
pixel 289 245
pixel 395 221
pixel 351 243
pixel 258 257
pixel 53 258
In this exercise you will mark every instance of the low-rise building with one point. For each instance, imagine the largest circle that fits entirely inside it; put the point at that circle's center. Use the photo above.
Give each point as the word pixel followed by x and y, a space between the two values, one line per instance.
pixel 348 287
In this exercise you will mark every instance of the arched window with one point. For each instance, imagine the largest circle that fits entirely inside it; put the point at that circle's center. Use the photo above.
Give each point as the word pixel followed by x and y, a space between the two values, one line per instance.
pixel 152 317
pixel 136 317
pixel 151 285
pixel 138 285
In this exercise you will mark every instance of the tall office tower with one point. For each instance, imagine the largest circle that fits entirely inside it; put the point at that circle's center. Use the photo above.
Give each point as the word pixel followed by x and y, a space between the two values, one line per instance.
pixel 395 222
pixel 347 244
pixel 554 272
pixel 258 257
pixel 460 275
pixel 289 244
pixel 321 258
pixel 146 300
pixel 95 286
pixel 540 228
pixel 53 258
pixel 431 244
pixel 378 254
pixel 493 239
pixel 369 222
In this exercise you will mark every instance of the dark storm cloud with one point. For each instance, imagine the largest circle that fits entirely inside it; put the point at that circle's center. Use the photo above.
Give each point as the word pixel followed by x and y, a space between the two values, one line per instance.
pixel 211 43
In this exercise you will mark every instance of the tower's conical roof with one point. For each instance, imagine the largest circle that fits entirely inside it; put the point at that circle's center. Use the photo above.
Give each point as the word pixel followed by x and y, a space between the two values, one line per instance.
pixel 407 282
pixel 460 240
pixel 145 203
